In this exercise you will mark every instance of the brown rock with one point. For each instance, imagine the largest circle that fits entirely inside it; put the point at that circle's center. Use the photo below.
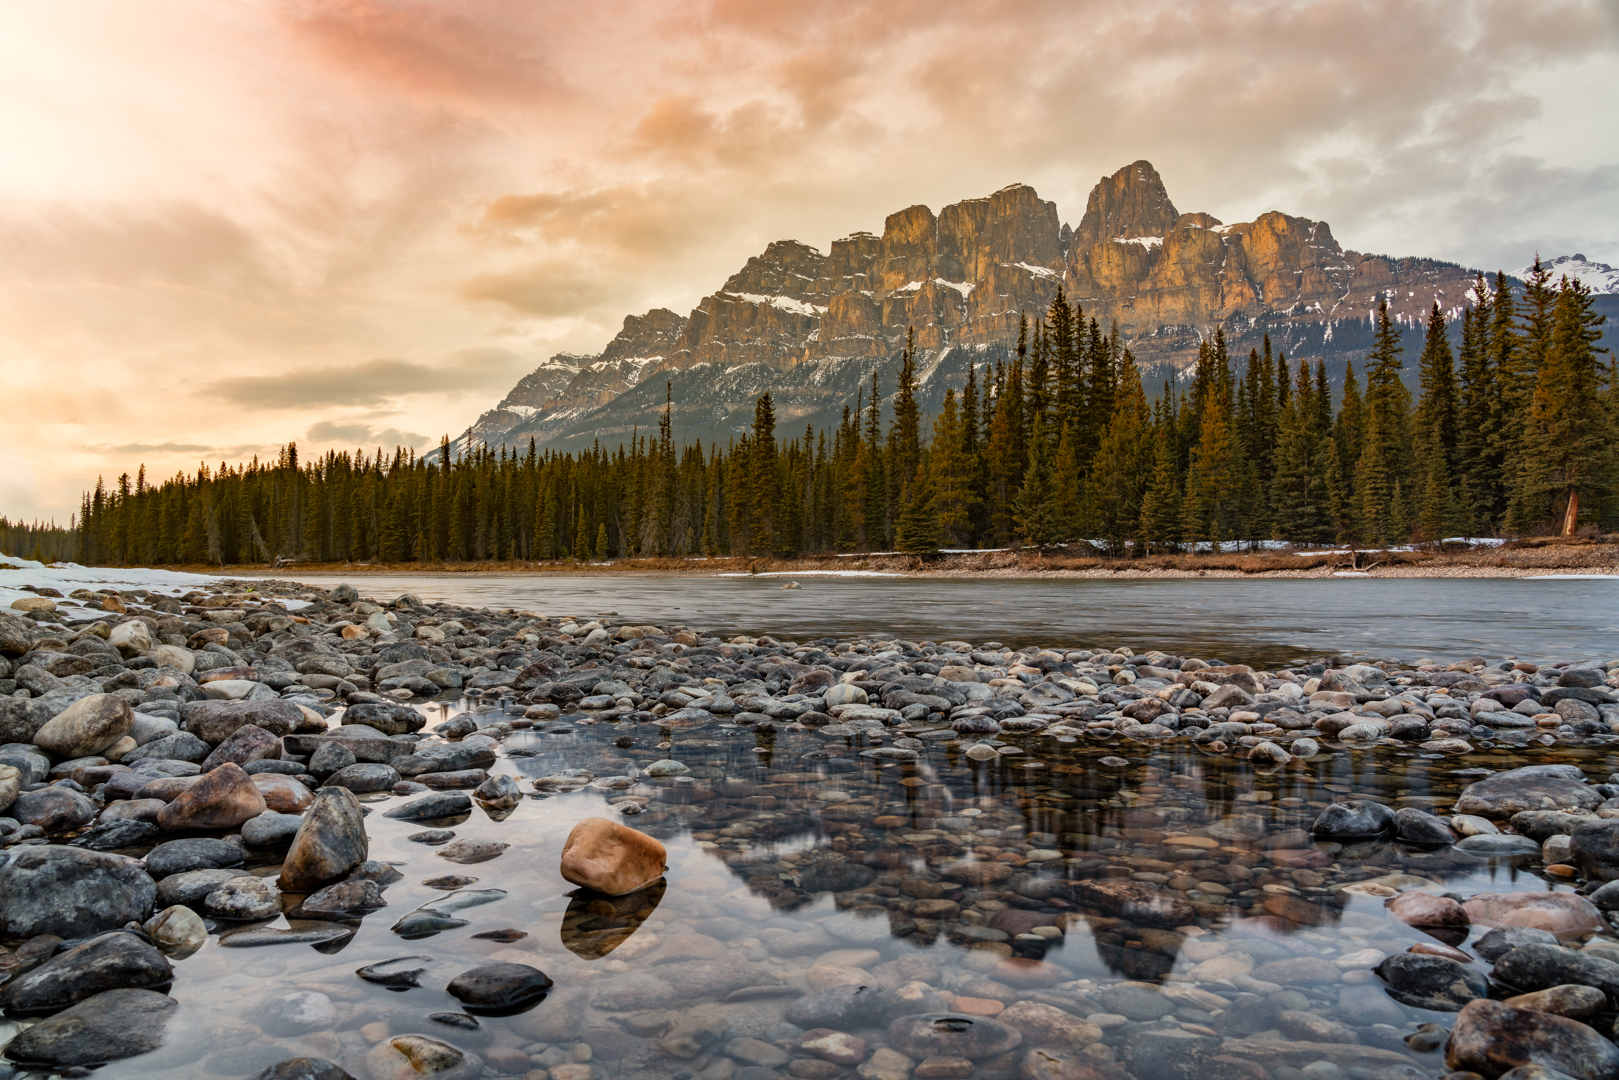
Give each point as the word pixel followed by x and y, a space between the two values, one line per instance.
pixel 1425 909
pixel 1056 1063
pixel 247 743
pixel 1296 909
pixel 221 799
pixel 1491 1037
pixel 1134 901
pixel 978 874
pixel 1046 1025
pixel 942 1068
pixel 611 858
pixel 835 1046
pixel 283 794
pixel 86 727
pixel 1565 914
pixel 330 842
pixel 1573 1001
pixel 1027 974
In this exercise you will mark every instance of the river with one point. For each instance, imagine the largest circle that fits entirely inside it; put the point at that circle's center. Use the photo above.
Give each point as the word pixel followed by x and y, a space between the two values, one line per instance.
pixel 1263 622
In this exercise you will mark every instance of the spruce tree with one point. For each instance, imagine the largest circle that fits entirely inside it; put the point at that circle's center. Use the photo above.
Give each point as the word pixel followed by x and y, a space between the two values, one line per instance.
pixel 1119 472
pixel 951 471
pixel 1385 438
pixel 1299 488
pixel 876 485
pixel 1573 430
pixel 917 530
pixel 1160 505
pixel 765 491
pixel 1034 512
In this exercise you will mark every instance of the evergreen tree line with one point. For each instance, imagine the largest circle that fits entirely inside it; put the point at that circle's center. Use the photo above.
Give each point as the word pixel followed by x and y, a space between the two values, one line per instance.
pixel 38 540
pixel 1511 433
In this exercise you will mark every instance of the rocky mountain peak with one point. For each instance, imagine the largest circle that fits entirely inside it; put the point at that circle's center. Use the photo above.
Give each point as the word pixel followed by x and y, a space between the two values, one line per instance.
pixel 1131 203
pixel 649 335
pixel 962 278
pixel 785 268
pixel 1599 277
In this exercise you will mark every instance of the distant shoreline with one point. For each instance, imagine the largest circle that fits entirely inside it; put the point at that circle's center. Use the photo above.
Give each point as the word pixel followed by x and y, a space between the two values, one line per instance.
pixel 1519 559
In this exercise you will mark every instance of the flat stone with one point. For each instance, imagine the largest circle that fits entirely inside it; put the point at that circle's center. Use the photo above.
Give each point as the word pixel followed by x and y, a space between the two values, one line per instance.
pixel 110 1026
pixel 191 853
pixel 110 961
pixel 1564 914
pixel 1431 982
pixel 952 1035
pixel 71 892
pixel 1534 787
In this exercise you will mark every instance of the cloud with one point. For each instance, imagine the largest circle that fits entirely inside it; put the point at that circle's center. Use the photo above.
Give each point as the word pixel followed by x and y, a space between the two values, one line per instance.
pixel 211 213
pixel 369 383
pixel 346 433
pixel 159 448
pixel 469 54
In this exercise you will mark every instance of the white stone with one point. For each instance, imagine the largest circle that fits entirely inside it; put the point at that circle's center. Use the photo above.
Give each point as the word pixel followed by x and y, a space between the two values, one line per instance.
pixel 131 638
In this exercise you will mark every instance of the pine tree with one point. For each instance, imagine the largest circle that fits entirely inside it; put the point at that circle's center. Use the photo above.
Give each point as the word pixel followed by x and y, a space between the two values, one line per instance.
pixel 905 434
pixel 766 485
pixel 917 530
pixel 876 486
pixel 1573 431
pixel 1119 472
pixel 1216 463
pixel 1476 407
pixel 1034 513
pixel 1299 488
pixel 1385 439
pixel 1160 505
pixel 951 471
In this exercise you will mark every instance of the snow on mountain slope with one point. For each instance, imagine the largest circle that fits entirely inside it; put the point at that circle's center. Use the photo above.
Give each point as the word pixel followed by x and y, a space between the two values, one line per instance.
pixel 1598 277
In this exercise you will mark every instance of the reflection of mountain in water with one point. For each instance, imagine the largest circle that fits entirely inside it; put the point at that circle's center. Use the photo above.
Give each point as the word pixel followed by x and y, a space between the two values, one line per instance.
pixel 1024 853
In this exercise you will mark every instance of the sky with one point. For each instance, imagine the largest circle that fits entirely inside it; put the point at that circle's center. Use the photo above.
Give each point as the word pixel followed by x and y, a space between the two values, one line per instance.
pixel 225 224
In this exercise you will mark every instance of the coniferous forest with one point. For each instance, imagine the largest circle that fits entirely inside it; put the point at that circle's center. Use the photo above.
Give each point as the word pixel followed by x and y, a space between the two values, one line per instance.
pixel 1510 433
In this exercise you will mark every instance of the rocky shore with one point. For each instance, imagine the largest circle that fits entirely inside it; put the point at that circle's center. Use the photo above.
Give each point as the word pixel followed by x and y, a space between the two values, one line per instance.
pixel 1075 864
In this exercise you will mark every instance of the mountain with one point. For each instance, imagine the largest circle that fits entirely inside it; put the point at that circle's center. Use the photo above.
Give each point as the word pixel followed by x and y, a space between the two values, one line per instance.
pixel 1600 278
pixel 811 326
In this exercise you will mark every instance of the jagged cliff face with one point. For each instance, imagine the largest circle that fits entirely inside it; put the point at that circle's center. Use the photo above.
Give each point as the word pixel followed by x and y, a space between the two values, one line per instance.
pixel 964 276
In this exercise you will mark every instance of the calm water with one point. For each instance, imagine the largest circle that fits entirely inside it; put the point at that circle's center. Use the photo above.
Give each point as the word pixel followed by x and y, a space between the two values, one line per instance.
pixel 794 862
pixel 1265 623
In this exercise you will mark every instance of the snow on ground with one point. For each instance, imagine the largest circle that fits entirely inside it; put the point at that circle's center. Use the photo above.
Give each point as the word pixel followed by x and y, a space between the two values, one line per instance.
pixel 1570 577
pixel 66 577
pixel 813 574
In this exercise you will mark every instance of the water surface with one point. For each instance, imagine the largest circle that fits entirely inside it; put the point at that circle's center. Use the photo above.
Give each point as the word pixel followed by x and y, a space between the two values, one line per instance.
pixel 1261 622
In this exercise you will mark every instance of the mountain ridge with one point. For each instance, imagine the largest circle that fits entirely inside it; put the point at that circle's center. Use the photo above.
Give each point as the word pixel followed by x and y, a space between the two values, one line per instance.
pixel 962 278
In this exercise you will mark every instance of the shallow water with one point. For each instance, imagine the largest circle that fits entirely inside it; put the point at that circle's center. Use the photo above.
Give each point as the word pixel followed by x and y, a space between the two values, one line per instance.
pixel 786 846
pixel 1263 622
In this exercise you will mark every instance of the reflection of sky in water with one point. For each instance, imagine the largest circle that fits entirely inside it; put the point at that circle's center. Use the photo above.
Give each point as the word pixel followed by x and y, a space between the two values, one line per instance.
pixel 1264 622
pixel 739 862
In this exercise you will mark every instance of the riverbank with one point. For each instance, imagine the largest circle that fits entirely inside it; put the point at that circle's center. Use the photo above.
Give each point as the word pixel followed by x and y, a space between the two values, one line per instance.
pixel 1519 558
pixel 884 859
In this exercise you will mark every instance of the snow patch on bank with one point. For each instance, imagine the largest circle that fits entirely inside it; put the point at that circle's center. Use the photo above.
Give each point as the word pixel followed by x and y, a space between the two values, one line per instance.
pixel 813 573
pixel 66 577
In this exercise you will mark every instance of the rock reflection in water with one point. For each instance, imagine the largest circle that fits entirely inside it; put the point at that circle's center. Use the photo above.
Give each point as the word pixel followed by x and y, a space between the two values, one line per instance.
pixel 595 924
